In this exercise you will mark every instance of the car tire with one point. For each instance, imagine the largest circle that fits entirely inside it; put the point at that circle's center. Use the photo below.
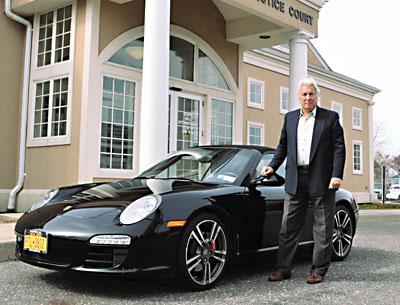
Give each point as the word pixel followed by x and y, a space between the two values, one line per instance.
pixel 343 233
pixel 203 252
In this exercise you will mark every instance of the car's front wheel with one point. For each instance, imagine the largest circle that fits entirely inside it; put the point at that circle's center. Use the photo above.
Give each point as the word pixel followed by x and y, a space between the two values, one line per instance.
pixel 343 233
pixel 203 252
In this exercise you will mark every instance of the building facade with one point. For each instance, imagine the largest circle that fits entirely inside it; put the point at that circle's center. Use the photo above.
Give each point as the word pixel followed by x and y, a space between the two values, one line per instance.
pixel 116 85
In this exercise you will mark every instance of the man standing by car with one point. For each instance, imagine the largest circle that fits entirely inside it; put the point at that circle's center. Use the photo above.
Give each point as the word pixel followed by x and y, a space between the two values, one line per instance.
pixel 312 141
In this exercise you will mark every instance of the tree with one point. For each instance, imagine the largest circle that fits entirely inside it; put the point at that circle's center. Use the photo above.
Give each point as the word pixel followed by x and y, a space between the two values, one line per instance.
pixel 380 160
pixel 378 138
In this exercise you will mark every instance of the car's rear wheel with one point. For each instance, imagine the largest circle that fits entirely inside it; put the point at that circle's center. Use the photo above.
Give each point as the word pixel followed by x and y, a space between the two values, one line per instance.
pixel 203 252
pixel 343 233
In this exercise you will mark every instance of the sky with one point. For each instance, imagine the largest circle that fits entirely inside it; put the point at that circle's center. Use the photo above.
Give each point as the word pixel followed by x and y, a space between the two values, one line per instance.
pixel 360 39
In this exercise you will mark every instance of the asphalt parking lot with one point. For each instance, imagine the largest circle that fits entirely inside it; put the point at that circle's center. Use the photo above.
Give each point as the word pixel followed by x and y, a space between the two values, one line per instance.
pixel 370 275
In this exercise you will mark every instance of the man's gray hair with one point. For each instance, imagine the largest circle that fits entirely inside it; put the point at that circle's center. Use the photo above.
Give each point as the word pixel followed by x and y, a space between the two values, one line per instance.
pixel 310 82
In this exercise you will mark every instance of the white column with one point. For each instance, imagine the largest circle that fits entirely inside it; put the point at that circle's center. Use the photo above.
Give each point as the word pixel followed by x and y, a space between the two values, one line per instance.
pixel 155 79
pixel 298 45
pixel 371 150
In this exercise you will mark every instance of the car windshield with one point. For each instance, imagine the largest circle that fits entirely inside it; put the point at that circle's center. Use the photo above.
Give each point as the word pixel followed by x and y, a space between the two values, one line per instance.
pixel 212 165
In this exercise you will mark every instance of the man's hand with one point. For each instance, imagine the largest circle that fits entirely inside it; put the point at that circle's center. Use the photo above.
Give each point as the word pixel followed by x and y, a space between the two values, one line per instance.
pixel 335 183
pixel 267 171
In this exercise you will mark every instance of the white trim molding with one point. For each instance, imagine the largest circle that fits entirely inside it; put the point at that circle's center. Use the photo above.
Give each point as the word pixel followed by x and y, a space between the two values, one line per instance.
pixel 325 78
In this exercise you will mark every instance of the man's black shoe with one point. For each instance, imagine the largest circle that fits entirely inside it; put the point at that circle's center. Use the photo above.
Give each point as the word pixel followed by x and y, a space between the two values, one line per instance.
pixel 278 276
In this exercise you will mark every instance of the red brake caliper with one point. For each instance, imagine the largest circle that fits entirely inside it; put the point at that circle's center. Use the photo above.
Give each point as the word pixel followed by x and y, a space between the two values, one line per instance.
pixel 213 246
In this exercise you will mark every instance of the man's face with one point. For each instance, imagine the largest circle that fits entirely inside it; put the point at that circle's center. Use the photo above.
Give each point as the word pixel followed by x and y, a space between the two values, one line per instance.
pixel 307 98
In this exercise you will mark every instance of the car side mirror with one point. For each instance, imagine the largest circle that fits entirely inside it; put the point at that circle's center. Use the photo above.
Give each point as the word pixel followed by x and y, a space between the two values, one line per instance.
pixel 270 180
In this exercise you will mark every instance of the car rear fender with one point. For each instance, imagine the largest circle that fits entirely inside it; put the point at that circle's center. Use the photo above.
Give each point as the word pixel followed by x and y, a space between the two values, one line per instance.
pixel 352 213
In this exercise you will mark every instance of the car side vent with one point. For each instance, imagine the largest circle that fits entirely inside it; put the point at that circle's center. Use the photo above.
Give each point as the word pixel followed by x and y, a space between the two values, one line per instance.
pixel 101 256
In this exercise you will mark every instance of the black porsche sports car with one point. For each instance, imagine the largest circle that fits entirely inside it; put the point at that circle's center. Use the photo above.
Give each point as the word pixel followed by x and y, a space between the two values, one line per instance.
pixel 192 214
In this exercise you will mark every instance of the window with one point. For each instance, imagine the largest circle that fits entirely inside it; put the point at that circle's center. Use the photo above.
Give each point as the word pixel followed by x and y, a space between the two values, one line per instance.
pixel 51 105
pixel 181 61
pixel 51 77
pixel 357 157
pixel 255 93
pixel 117 123
pixel 209 74
pixel 265 160
pixel 357 118
pixel 255 133
pixel 337 107
pixel 221 122
pixel 54 38
pixel 284 105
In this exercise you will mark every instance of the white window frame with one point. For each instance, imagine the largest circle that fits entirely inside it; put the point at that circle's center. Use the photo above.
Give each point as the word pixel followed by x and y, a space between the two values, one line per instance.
pixel 257 125
pixel 282 89
pixel 36 25
pixel 333 103
pixel 353 110
pixel 48 73
pixel 360 171
pixel 209 115
pixel 256 82
pixel 135 127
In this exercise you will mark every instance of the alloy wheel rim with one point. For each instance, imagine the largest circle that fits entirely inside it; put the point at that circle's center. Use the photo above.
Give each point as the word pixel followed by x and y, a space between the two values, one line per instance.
pixel 206 250
pixel 342 233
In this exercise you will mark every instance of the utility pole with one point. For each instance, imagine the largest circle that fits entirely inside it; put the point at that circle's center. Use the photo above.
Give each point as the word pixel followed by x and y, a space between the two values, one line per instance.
pixel 383 183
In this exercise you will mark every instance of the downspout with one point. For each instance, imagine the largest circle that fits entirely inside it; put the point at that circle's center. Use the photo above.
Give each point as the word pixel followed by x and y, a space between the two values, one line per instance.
pixel 24 105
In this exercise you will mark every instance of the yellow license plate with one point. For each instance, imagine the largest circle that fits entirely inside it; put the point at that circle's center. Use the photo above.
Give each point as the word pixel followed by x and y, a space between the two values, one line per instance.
pixel 35 241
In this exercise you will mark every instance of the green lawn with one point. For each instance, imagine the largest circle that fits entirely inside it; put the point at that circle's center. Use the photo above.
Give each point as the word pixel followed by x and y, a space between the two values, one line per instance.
pixel 379 206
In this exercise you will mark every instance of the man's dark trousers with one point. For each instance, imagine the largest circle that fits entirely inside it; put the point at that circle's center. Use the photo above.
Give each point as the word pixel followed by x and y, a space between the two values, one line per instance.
pixel 295 209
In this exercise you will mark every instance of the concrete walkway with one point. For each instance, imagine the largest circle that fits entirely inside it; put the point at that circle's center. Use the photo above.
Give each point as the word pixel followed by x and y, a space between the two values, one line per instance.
pixel 7 237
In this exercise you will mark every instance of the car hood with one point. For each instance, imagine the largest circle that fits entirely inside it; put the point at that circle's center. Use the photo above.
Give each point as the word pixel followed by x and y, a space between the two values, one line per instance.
pixel 107 200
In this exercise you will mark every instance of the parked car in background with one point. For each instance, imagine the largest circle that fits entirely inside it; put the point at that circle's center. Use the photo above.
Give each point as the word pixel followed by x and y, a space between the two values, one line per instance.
pixel 193 214
pixel 393 192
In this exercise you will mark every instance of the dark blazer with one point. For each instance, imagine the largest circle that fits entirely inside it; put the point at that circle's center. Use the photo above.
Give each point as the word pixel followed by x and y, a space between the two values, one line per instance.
pixel 327 155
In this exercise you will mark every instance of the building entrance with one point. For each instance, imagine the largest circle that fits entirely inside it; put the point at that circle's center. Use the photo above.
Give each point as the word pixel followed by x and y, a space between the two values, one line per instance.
pixel 184 122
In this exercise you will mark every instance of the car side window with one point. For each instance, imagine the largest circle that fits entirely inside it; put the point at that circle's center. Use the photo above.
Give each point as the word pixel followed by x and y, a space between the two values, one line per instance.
pixel 265 160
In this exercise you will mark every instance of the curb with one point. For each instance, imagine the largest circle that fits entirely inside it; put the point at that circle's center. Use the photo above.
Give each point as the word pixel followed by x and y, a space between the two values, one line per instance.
pixel 7 251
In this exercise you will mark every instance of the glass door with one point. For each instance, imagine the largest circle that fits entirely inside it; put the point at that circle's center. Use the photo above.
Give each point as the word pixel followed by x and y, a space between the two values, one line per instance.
pixel 184 121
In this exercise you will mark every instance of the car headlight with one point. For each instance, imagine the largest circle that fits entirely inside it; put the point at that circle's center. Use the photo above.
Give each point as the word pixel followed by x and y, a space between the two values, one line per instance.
pixel 43 200
pixel 140 209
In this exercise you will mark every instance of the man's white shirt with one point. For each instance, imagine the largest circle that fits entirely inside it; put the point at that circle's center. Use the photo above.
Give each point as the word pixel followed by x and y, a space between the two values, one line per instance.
pixel 304 137
pixel 304 140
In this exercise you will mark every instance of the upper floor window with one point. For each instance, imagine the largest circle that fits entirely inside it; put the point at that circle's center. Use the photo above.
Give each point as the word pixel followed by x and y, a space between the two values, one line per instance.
pixel 182 63
pixel 54 38
pixel 284 105
pixel 337 107
pixel 255 93
pixel 357 118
